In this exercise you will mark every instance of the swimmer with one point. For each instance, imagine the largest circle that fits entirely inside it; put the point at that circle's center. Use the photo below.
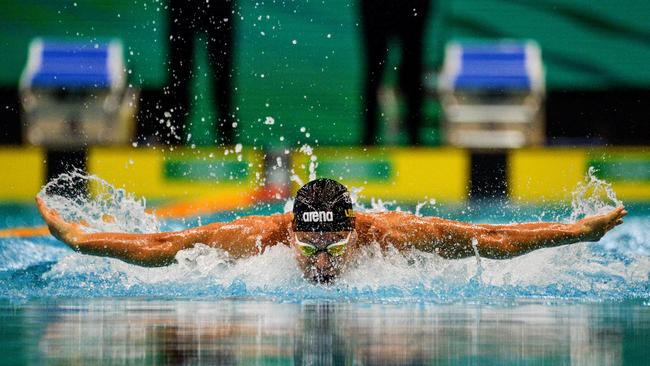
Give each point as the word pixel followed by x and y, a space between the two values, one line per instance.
pixel 325 234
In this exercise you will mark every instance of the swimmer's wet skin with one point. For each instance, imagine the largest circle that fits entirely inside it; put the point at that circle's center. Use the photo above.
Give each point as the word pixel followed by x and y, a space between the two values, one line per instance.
pixel 325 234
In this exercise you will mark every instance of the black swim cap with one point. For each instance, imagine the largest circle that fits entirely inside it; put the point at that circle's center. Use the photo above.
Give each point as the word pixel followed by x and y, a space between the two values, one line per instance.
pixel 323 205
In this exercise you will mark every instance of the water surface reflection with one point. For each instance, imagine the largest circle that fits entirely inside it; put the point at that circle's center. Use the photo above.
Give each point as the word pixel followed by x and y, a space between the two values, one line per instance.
pixel 256 332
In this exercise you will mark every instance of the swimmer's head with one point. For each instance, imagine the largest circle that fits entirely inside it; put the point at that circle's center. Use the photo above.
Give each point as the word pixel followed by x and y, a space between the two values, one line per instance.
pixel 323 228
pixel 323 205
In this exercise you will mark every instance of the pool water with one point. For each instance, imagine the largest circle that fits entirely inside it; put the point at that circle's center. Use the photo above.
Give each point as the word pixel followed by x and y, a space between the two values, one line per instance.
pixel 616 268
pixel 261 332
pixel 587 303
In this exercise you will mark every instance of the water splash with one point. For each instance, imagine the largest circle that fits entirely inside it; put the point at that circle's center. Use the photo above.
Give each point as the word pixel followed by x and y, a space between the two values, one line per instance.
pixel 420 205
pixel 592 196
pixel 313 159
pixel 295 178
pixel 105 208
pixel 617 267
pixel 574 272
pixel 375 204
pixel 288 206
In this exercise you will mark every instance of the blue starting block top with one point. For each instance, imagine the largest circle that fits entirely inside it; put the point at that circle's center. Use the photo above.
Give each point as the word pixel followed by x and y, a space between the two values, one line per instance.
pixel 74 65
pixel 492 66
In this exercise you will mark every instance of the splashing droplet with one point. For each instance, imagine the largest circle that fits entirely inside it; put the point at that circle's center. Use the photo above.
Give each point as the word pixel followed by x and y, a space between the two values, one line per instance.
pixel 592 196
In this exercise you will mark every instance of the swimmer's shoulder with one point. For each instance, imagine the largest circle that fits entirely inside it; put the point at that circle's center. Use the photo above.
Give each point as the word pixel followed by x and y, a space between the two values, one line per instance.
pixel 372 227
pixel 370 218
pixel 378 224
pixel 279 225
pixel 283 219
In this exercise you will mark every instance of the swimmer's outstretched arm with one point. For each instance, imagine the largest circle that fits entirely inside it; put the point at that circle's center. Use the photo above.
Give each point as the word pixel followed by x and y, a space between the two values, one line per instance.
pixel 453 239
pixel 240 238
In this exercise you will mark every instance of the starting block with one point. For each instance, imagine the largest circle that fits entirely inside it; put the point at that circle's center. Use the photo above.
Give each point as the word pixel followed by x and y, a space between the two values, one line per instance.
pixel 492 94
pixel 74 94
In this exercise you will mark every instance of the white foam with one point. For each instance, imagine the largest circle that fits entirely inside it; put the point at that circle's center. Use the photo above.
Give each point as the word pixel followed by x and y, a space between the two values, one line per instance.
pixel 107 208
pixel 592 196
pixel 618 262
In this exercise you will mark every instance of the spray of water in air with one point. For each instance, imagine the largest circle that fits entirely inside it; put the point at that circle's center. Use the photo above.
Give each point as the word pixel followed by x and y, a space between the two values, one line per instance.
pixel 586 271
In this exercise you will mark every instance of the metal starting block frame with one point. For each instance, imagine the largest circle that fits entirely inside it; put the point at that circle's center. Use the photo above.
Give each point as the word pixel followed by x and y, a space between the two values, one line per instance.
pixel 74 94
pixel 492 94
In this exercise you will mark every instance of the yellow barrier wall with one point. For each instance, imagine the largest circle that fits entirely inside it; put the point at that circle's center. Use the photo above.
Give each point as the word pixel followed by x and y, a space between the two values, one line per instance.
pixel 178 174
pixel 539 175
pixel 534 175
pixel 22 173
pixel 551 174
pixel 393 173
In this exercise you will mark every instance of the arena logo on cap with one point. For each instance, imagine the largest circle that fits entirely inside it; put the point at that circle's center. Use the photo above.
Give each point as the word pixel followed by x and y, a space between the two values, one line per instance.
pixel 318 216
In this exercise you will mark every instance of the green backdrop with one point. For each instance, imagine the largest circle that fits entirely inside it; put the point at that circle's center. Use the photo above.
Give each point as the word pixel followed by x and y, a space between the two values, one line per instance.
pixel 314 81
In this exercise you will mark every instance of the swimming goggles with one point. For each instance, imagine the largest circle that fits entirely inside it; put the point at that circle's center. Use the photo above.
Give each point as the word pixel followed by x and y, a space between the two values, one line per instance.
pixel 335 249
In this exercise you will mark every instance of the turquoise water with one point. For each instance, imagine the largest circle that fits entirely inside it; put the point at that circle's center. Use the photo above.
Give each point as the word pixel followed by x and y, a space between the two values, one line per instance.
pixel 616 268
pixel 587 303
pixel 261 332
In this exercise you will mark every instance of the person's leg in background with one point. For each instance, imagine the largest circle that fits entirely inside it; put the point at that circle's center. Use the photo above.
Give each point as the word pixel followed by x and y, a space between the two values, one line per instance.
pixel 414 17
pixel 375 32
pixel 180 70
pixel 219 31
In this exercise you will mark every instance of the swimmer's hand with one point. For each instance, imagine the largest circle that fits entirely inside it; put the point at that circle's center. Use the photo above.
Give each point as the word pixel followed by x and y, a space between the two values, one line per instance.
pixel 592 228
pixel 65 231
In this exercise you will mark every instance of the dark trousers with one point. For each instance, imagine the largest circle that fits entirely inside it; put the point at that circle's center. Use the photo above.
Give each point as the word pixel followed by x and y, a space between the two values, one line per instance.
pixel 381 21
pixel 187 19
